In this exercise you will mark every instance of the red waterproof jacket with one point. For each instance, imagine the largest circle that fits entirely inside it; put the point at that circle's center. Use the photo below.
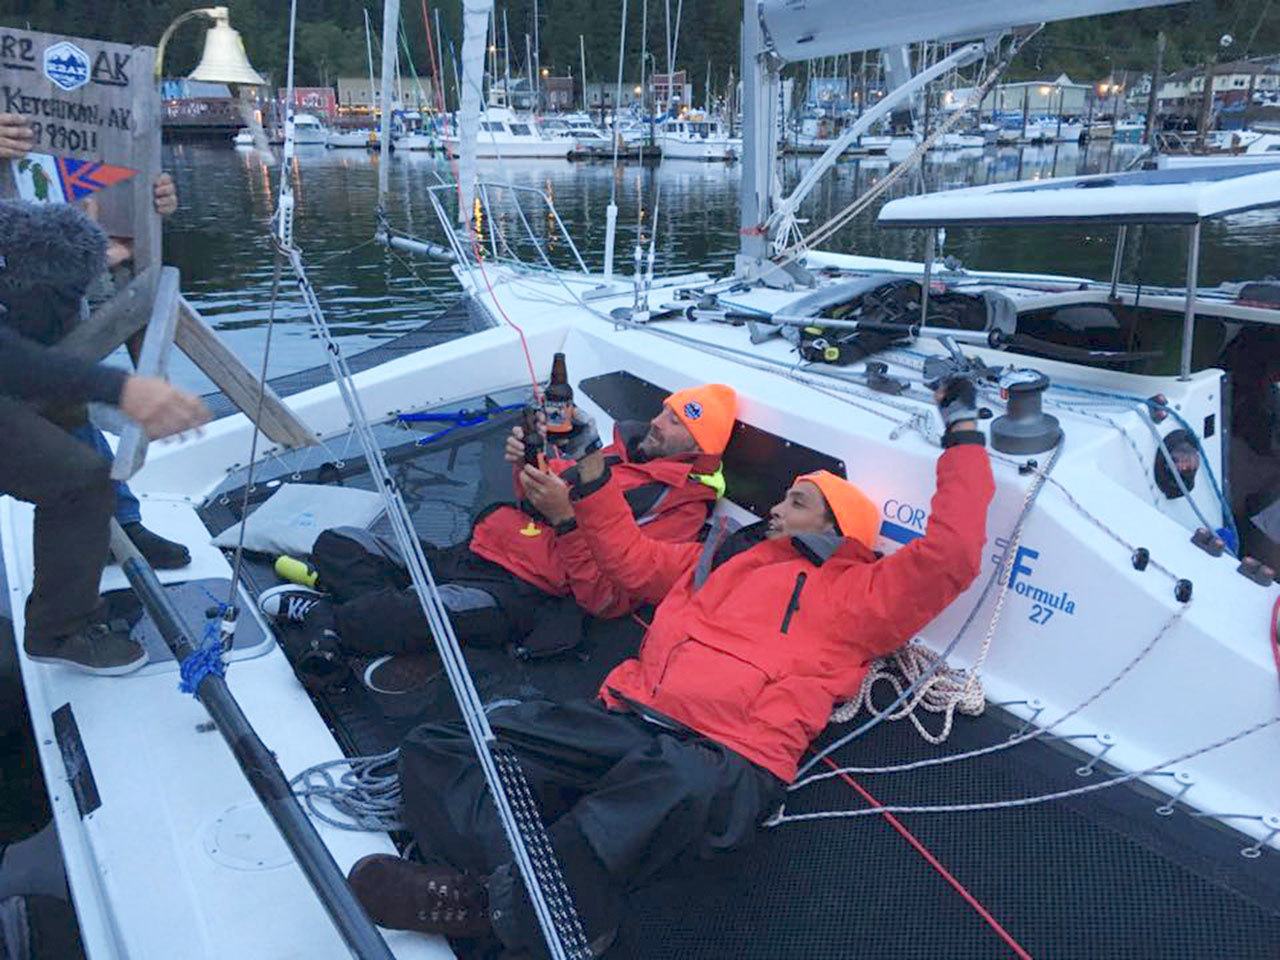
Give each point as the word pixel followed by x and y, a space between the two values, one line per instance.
pixel 661 495
pixel 754 652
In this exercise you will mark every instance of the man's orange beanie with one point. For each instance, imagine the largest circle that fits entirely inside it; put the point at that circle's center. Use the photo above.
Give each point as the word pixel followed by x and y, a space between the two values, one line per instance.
pixel 708 412
pixel 856 516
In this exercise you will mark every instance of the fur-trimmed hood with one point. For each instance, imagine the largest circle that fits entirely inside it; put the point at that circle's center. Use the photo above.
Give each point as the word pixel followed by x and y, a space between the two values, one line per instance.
pixel 48 248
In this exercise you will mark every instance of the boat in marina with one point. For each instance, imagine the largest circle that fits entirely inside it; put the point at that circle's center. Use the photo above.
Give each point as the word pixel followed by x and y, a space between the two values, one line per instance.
pixel 349 139
pixel 697 136
pixel 309 131
pixel 1111 793
pixel 503 135
pixel 242 138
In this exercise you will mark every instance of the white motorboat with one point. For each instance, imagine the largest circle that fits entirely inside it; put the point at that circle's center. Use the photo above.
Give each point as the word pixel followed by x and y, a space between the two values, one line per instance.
pixel 242 138
pixel 960 141
pixel 503 135
pixel 697 137
pixel 309 130
pixel 417 140
pixel 349 139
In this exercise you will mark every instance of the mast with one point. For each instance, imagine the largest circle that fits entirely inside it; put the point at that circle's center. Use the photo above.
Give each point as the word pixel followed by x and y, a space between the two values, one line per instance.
pixel 444 103
pixel 390 27
pixel 528 64
pixel 537 64
pixel 506 58
pixel 759 74
pixel 368 47
pixel 582 54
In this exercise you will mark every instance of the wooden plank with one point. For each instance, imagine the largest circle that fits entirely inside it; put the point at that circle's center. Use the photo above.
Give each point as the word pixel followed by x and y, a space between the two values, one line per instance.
pixel 198 341
pixel 152 363
pixel 115 321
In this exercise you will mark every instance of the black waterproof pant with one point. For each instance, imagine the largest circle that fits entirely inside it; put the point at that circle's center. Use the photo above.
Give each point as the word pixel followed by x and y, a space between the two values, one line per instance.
pixel 70 486
pixel 377 611
pixel 622 799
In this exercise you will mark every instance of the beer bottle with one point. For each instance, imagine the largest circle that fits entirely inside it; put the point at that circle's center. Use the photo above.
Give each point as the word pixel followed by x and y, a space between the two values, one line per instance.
pixel 535 445
pixel 559 399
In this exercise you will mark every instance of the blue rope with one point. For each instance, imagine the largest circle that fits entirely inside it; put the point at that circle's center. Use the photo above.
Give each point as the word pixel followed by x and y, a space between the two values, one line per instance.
pixel 456 421
pixel 205 661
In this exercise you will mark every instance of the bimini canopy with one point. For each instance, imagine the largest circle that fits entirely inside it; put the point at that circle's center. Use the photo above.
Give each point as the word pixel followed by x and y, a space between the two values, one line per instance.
pixel 1182 195
pixel 805 29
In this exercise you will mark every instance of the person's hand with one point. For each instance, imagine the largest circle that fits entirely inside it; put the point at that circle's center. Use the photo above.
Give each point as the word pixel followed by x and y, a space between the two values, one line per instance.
pixel 160 408
pixel 16 136
pixel 591 467
pixel 957 399
pixel 548 494
pixel 581 440
pixel 164 195
pixel 513 452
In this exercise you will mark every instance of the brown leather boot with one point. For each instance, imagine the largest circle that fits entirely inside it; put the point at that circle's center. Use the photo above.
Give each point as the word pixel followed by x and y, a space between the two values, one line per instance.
pixel 402 895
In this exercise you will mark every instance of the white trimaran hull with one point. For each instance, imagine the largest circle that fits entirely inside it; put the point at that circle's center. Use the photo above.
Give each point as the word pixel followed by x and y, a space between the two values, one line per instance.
pixel 179 858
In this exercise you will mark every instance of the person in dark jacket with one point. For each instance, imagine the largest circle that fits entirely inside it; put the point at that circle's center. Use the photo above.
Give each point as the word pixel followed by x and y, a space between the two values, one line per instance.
pixel 520 576
pixel 16 140
pixel 49 259
pixel 690 744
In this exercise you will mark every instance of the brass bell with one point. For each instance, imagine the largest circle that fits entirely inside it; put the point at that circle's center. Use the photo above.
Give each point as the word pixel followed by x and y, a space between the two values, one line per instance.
pixel 224 59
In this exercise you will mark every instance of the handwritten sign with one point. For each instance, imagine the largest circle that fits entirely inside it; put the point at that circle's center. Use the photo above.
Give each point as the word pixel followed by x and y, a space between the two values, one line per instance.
pixel 94 109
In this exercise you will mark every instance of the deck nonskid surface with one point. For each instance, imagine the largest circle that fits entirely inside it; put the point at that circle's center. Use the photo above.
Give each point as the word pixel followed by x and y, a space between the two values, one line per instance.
pixel 1098 876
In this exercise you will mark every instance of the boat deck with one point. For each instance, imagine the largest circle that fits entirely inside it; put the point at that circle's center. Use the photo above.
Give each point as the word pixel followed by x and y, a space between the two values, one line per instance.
pixel 1097 876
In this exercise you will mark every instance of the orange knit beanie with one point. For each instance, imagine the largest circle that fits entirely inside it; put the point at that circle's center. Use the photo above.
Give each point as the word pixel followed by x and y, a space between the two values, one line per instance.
pixel 856 515
pixel 708 412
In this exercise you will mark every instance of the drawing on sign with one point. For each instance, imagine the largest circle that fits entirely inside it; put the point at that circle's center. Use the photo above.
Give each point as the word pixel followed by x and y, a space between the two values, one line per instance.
pixel 66 65
pixel 42 178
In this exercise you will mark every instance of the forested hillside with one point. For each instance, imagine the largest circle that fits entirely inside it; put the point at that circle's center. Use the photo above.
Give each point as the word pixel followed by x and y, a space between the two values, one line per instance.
pixel 331 33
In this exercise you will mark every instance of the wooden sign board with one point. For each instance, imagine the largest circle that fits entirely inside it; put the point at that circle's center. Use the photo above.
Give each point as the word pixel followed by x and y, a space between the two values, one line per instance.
pixel 95 109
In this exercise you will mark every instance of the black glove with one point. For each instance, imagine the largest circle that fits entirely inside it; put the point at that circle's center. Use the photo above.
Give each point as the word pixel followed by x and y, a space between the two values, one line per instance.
pixel 959 400
pixel 583 439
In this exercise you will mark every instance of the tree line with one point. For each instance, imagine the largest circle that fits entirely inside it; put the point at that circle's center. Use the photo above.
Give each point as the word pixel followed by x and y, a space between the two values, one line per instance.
pixel 331 37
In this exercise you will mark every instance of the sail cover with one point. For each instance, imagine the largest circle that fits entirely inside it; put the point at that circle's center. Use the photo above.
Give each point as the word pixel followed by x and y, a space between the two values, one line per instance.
pixel 475 29
pixel 804 29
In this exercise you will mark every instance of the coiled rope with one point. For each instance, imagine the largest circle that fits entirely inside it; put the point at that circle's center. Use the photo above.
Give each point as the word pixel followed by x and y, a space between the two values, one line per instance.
pixel 364 790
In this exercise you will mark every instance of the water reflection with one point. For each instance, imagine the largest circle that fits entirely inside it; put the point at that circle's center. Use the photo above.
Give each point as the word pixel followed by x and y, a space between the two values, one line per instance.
pixel 219 239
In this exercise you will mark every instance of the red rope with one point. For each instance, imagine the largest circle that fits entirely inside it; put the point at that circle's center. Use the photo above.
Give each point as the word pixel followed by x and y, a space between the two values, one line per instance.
pixel 937 865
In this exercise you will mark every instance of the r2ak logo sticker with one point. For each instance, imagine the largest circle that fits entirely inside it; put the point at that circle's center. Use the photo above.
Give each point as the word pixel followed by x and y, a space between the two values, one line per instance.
pixel 1026 580
pixel 66 65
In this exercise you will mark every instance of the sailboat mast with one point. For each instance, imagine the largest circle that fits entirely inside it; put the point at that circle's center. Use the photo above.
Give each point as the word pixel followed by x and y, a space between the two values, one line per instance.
pixel 757 147
pixel 506 58
pixel 390 27
pixel 444 103
pixel 368 47
pixel 582 55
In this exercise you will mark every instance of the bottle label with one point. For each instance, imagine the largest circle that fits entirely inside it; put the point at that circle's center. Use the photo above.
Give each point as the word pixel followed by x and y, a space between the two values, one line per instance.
pixel 559 416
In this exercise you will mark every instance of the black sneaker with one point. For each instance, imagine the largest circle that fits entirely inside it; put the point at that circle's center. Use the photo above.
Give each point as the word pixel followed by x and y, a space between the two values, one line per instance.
pixel 290 603
pixel 162 554
pixel 103 649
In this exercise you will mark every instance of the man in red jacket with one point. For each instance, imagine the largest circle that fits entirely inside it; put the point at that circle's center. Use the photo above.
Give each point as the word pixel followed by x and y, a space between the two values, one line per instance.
pixel 687 750
pixel 522 575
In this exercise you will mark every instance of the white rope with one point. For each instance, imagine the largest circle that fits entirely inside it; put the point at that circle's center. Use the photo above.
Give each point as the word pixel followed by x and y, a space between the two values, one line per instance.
pixel 783 817
pixel 945 690
pixel 366 793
